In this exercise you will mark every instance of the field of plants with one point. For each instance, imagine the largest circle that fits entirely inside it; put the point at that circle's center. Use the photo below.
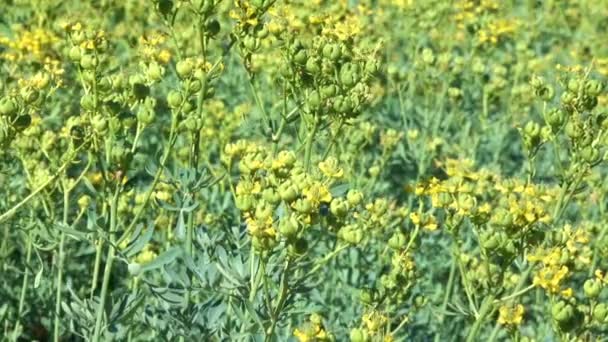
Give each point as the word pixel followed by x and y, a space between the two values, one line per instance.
pixel 303 170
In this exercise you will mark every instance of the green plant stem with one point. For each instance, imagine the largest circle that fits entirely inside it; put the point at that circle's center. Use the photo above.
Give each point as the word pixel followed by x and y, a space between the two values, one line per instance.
pixel 108 268
pixel 60 261
pixel 24 285
pixel 446 298
pixel 283 292
pixel 98 250
pixel 486 309
pixel 310 142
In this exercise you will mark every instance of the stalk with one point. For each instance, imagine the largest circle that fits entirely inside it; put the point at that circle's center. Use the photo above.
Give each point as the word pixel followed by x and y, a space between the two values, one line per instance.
pixel 61 257
pixel 108 268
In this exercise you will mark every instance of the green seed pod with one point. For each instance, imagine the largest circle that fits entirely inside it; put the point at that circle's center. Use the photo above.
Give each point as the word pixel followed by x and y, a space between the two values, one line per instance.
pixel 574 85
pixel 154 72
pixel 328 91
pixel 174 99
pixel 354 197
pixel 288 191
pixel 303 206
pixel 75 54
pixel 262 32
pixel 245 203
pixel 313 66
pixel 555 118
pixel 372 66
pixel 562 312
pixel 397 241
pixel 490 240
pixel 532 129
pixel 573 130
pixel 314 100
pixel 359 335
pixel 289 226
pixel 184 68
pixel 590 154
pixel 568 98
pixel 145 115
pixel 8 106
pixel 332 52
pixel 366 296
pixel 99 124
pixel 104 84
pixel 87 102
pixel 592 288
pixel 339 207
pixel 88 62
pixel 349 74
pixel 589 102
pixel 600 313
pixel 251 43
pixel 78 37
pixel 271 196
pixel 300 57
pixel 593 88
pixel 546 93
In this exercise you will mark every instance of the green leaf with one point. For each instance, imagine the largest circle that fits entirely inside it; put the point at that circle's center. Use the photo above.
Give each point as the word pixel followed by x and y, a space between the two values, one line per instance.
pixel 163 259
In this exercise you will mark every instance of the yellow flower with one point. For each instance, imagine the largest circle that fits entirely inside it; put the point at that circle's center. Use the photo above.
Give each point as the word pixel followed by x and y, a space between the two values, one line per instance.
pixel 510 315
pixel 317 193
pixel 329 167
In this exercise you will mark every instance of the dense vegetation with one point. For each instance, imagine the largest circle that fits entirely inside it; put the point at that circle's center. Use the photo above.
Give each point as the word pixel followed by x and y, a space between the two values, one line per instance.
pixel 306 170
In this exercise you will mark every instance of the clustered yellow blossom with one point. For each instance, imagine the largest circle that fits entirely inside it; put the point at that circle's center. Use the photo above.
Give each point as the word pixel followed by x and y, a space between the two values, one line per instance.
pixel 313 331
pixel 511 315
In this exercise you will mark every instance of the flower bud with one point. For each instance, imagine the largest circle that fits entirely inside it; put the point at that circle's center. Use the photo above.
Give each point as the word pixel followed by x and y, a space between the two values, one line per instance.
pixel 358 335
pixel 332 52
pixel 590 154
pixel 8 106
pixel 271 196
pixel 99 124
pixel 397 241
pixel 251 43
pixel 354 197
pixel 592 288
pixel 289 226
pixel 555 118
pixel 339 207
pixel 562 312
pixel 87 102
pixel 574 85
pixel 593 88
pixel 75 54
pixel 245 203
pixel 145 115
pixel 184 68
pixel 154 72
pixel 88 62
pixel 600 313
pixel 300 57
pixel 174 99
